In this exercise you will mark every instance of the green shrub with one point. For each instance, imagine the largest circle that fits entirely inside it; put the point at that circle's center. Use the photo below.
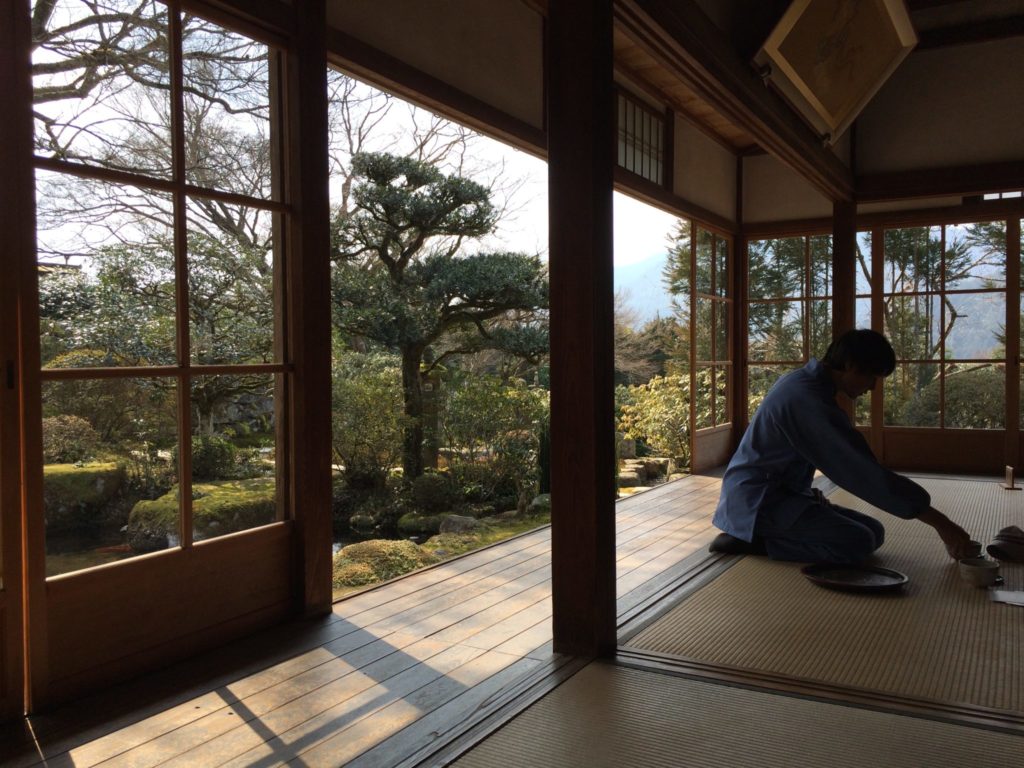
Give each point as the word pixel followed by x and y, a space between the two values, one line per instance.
pixel 432 493
pixel 213 458
pixel 384 558
pixel 659 415
pixel 220 507
pixel 495 424
pixel 68 439
pixel 367 416
pixel 349 574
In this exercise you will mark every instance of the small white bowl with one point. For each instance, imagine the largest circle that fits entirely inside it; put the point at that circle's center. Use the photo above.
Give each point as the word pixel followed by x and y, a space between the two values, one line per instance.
pixel 979 571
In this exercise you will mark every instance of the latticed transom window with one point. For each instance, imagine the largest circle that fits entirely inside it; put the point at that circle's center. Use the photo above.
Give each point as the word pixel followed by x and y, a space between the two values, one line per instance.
pixel 789 307
pixel 641 139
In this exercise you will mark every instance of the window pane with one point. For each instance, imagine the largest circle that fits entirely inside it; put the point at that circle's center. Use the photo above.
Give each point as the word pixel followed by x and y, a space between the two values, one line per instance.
pixel 761 378
pixel 703 400
pixel 976 256
pixel 820 327
pixel 975 396
pixel 108 452
pixel 721 266
pixel 863 310
pixel 912 324
pixel 230 283
pixel 227 109
pixel 776 268
pixel 975 325
pixel 721 330
pixel 723 413
pixel 776 330
pixel 912 396
pixel 101 85
pixel 234 442
pixel 821 265
pixel 863 264
pixel 862 411
pixel 677 267
pixel 913 260
pixel 702 325
pixel 106 273
pixel 704 257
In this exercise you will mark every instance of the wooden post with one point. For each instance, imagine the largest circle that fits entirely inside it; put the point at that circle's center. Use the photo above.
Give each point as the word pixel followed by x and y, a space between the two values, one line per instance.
pixel 1013 290
pixel 844 273
pixel 740 329
pixel 580 171
pixel 308 321
pixel 17 218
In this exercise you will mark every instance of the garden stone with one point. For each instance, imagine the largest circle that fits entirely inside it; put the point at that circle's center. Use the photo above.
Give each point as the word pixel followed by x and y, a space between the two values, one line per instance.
pixel 541 504
pixel 629 479
pixel 656 467
pixel 362 522
pixel 627 448
pixel 458 524
pixel 637 466
pixel 415 524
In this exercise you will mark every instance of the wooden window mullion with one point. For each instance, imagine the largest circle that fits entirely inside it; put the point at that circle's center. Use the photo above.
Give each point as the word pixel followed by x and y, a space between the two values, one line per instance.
pixel 180 203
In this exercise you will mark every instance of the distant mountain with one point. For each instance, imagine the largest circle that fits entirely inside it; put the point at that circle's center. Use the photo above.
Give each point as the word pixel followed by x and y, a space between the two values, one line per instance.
pixel 643 287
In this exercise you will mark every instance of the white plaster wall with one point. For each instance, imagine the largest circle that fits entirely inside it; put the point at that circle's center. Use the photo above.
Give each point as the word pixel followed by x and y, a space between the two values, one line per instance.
pixel 492 50
pixel 959 105
pixel 704 171
pixel 772 191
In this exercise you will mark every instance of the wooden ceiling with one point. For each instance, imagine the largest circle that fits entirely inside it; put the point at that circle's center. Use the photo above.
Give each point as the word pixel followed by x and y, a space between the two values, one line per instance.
pixel 937 22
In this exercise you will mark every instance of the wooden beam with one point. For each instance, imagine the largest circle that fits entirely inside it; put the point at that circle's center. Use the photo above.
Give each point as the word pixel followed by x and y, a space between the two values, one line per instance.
pixel 391 74
pixel 581 136
pixel 989 210
pixel 979 32
pixel 682 39
pixel 657 195
pixel 308 318
pixel 941 182
pixel 269 21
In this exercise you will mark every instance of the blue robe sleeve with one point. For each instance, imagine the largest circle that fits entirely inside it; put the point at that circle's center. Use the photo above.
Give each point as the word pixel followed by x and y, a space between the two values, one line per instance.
pixel 822 434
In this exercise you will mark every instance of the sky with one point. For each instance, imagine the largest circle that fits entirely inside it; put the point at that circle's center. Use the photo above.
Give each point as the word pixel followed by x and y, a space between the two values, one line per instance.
pixel 639 229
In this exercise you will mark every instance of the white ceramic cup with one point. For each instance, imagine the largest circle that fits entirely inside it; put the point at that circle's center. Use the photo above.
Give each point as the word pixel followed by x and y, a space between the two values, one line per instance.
pixel 979 571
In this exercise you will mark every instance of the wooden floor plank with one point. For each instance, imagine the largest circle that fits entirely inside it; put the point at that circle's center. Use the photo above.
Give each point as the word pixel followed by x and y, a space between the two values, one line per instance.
pixel 390 672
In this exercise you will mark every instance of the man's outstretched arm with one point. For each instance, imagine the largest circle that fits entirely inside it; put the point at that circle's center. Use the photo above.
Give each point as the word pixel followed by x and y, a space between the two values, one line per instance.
pixel 957 540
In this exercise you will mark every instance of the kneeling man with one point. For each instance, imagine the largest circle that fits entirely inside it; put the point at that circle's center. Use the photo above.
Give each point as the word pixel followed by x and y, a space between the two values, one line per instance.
pixel 767 504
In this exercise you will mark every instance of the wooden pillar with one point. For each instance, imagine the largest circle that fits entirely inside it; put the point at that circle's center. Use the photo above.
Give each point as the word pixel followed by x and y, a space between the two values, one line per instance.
pixel 308 325
pixel 844 273
pixel 844 259
pixel 740 329
pixel 1013 281
pixel 17 256
pixel 580 169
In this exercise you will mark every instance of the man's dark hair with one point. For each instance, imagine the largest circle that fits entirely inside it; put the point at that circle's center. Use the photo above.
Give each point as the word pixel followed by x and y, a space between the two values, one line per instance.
pixel 863 350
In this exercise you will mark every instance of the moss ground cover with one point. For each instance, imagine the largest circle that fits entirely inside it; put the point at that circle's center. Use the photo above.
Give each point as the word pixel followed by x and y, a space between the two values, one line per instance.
pixel 370 562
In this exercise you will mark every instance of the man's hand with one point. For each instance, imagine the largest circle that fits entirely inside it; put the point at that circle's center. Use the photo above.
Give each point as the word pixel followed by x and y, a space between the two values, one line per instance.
pixel 957 540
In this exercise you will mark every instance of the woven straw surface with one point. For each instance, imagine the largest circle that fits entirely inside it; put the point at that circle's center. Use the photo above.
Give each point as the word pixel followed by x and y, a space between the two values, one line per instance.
pixel 612 716
pixel 939 639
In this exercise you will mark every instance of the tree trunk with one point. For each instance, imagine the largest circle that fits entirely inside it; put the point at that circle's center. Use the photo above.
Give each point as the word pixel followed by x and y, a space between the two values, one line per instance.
pixel 412 442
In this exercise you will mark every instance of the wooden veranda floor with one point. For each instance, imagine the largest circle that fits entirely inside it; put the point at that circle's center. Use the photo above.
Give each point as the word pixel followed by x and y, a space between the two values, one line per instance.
pixel 394 676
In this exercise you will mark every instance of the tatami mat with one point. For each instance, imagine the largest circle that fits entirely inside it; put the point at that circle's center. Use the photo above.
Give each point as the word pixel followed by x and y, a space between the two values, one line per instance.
pixel 939 639
pixel 614 716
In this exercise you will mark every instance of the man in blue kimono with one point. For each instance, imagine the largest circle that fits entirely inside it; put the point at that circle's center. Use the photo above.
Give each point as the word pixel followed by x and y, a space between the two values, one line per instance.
pixel 768 506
